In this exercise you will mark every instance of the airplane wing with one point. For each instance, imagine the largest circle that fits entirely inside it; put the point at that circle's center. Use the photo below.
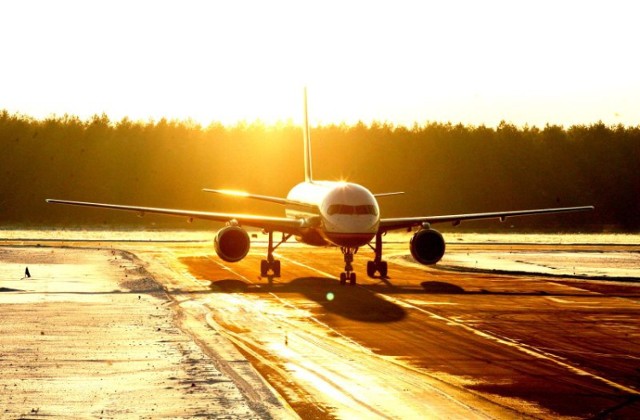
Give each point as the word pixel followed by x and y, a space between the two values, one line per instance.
pixel 456 219
pixel 280 224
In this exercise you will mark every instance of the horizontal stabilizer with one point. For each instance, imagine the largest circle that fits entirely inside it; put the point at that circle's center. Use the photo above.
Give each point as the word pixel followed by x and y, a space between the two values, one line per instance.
pixel 268 198
pixel 388 194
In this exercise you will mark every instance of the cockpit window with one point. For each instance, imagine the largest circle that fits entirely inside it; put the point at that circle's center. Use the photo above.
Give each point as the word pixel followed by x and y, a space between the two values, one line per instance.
pixel 347 209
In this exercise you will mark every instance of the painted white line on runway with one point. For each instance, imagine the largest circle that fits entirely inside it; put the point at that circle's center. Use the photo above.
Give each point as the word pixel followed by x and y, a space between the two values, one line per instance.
pixel 505 341
pixel 393 361
pixel 324 273
pixel 531 351
pixel 537 353
pixel 313 318
pixel 558 300
pixel 229 269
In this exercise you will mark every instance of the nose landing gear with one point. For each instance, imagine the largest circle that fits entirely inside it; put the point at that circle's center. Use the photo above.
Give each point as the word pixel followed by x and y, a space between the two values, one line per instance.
pixel 348 274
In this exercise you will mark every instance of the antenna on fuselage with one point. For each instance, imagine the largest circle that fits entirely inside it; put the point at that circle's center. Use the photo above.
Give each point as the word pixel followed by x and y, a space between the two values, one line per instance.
pixel 307 143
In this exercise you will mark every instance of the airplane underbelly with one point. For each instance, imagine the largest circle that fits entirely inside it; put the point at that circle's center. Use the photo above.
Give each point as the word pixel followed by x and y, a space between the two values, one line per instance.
pixel 351 232
pixel 351 240
pixel 313 237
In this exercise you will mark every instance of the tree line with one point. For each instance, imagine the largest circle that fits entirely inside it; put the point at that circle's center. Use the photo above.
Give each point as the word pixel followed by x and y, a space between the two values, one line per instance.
pixel 443 168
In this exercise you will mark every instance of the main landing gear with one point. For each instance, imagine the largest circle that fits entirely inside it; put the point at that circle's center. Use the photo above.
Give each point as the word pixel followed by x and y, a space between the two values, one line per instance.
pixel 348 274
pixel 377 265
pixel 271 267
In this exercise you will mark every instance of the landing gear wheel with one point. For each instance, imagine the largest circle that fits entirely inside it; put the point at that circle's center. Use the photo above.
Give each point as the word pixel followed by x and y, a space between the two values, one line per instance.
pixel 371 268
pixel 374 267
pixel 352 279
pixel 382 269
pixel 273 266
pixel 343 278
pixel 264 268
pixel 348 273
pixel 276 268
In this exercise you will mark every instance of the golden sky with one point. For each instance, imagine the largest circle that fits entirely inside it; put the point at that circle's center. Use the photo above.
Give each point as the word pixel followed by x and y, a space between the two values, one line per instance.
pixel 475 62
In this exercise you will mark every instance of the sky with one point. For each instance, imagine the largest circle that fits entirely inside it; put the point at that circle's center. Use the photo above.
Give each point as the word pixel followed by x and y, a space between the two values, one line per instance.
pixel 401 62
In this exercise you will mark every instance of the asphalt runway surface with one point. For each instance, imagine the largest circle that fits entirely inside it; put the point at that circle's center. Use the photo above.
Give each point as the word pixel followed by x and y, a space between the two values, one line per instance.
pixel 428 342
pixel 91 335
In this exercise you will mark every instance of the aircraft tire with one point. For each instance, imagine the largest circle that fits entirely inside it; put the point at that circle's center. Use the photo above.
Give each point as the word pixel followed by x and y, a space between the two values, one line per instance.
pixel 371 268
pixel 383 269
pixel 276 268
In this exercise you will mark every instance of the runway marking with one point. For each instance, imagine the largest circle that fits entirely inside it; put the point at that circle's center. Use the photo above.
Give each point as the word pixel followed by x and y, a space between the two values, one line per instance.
pixel 534 352
pixel 236 338
pixel 224 267
pixel 558 300
pixel 531 351
pixel 403 365
pixel 243 343
pixel 324 273
pixel 431 303
pixel 313 318
pixel 505 341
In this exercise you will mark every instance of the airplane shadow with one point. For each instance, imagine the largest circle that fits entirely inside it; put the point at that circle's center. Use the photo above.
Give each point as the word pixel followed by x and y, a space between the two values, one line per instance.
pixel 355 303
pixel 364 303
pixel 441 287
pixel 229 286
pixel 445 288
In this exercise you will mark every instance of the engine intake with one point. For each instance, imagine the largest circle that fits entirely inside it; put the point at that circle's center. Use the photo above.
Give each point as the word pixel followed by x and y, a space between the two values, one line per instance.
pixel 232 243
pixel 427 246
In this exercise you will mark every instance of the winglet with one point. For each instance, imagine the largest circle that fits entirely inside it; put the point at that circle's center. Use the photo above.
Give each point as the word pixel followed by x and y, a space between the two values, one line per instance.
pixel 307 143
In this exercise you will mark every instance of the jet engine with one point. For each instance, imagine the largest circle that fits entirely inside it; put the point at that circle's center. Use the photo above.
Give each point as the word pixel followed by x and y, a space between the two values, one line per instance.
pixel 427 246
pixel 232 243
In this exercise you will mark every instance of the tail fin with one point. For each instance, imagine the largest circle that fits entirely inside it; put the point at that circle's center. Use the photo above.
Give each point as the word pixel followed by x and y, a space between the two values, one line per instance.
pixel 307 143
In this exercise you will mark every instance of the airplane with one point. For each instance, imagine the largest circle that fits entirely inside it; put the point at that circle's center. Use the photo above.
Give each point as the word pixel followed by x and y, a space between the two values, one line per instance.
pixel 325 213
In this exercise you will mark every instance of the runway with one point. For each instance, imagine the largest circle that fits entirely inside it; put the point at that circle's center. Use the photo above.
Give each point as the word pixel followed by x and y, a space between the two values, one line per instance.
pixel 426 342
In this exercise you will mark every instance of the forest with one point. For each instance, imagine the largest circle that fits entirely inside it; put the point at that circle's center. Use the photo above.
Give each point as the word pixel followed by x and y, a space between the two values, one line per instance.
pixel 443 168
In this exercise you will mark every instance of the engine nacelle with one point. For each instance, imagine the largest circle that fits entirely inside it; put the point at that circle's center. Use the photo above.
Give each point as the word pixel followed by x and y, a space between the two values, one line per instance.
pixel 232 243
pixel 427 246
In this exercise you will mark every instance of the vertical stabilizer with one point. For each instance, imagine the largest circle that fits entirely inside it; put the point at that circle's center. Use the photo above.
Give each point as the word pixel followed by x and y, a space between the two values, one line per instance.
pixel 307 143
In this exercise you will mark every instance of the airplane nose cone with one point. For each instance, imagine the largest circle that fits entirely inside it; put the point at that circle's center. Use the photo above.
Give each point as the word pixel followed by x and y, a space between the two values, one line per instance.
pixel 350 215
pixel 351 230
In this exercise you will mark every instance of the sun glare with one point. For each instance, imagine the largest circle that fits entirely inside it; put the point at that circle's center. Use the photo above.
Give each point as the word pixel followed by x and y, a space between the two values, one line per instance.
pixel 404 62
pixel 235 193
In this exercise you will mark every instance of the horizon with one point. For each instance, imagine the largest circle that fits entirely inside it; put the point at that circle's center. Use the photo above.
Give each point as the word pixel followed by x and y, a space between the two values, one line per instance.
pixel 259 123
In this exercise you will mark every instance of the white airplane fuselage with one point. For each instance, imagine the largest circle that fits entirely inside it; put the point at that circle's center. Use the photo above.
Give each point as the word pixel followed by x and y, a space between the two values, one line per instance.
pixel 344 214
